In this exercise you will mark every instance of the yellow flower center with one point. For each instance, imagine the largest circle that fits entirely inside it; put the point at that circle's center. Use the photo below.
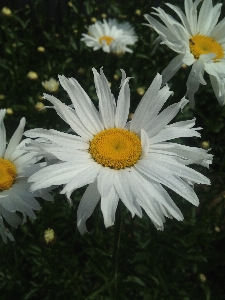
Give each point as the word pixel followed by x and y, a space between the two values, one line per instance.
pixel 7 174
pixel 116 148
pixel 200 44
pixel 106 38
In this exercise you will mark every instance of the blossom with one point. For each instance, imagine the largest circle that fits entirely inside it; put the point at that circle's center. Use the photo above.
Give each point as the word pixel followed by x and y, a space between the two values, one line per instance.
pixel 32 75
pixel 119 159
pixel 6 11
pixel 16 165
pixel 51 85
pixel 199 41
pixel 110 36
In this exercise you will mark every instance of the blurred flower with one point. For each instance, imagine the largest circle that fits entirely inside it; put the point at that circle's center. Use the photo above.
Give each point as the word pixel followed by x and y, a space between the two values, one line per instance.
pixel 51 85
pixel 81 71
pixel 93 20
pixel 199 41
pixel 2 97
pixel 32 75
pixel 49 236
pixel 116 77
pixel 217 229
pixel 75 31
pixel 41 49
pixel 120 159
pixel 202 277
pixel 40 107
pixel 137 12
pixel 6 11
pixel 140 91
pixel 9 111
pixel 103 16
pixel 16 165
pixel 70 4
pixel 110 36
pixel 205 145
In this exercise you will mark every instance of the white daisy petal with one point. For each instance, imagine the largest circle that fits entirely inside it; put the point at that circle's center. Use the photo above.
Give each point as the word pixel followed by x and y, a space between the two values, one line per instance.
pixel 87 205
pixel 2 132
pixel 15 139
pixel 83 106
pixel 172 68
pixel 106 101
pixel 108 207
pixel 105 181
pixel 123 105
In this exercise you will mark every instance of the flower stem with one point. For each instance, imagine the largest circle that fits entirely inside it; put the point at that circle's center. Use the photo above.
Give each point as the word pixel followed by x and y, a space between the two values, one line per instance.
pixel 118 229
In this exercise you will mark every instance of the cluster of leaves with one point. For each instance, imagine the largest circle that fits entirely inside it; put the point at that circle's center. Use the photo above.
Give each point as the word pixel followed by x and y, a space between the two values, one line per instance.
pixel 183 262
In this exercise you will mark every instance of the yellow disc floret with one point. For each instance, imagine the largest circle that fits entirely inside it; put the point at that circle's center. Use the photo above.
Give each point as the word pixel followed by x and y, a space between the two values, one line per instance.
pixel 200 44
pixel 116 148
pixel 7 174
pixel 106 38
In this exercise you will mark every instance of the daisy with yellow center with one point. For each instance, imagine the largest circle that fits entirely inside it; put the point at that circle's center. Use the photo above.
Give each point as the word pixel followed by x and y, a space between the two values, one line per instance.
pixel 16 165
pixel 111 36
pixel 199 40
pixel 117 158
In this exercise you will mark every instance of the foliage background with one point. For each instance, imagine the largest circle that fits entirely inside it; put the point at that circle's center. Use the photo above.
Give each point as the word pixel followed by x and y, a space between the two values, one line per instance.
pixel 131 260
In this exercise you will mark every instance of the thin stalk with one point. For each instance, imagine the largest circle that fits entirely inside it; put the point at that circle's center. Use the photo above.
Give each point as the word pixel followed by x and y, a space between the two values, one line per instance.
pixel 118 229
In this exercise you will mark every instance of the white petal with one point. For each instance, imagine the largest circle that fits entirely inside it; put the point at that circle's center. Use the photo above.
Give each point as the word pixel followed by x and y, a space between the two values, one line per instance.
pixel 105 181
pixel 106 100
pixel 15 139
pixel 108 207
pixel 144 143
pixel 123 189
pixel 59 138
pixel 2 132
pixel 160 121
pixel 219 89
pixel 87 205
pixel 84 107
pixel 123 105
pixel 172 68
pixel 69 116
pixel 85 176
pixel 163 176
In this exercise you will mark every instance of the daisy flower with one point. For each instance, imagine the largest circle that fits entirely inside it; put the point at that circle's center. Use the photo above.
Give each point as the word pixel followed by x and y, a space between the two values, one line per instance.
pixel 110 36
pixel 119 159
pixel 16 165
pixel 199 41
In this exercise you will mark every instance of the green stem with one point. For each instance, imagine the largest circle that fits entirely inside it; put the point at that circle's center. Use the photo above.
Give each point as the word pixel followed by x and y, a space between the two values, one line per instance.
pixel 118 229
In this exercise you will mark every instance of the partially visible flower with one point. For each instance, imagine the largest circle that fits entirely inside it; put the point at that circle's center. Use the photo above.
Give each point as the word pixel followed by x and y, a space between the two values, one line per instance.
pixel 93 20
pixel 2 97
pixel 40 107
pixel 32 75
pixel 199 41
pixel 140 91
pixel 49 236
pixel 205 145
pixel 16 165
pixel 202 277
pixel 6 11
pixel 110 36
pixel 137 12
pixel 9 111
pixel 119 159
pixel 103 16
pixel 51 85
pixel 41 49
